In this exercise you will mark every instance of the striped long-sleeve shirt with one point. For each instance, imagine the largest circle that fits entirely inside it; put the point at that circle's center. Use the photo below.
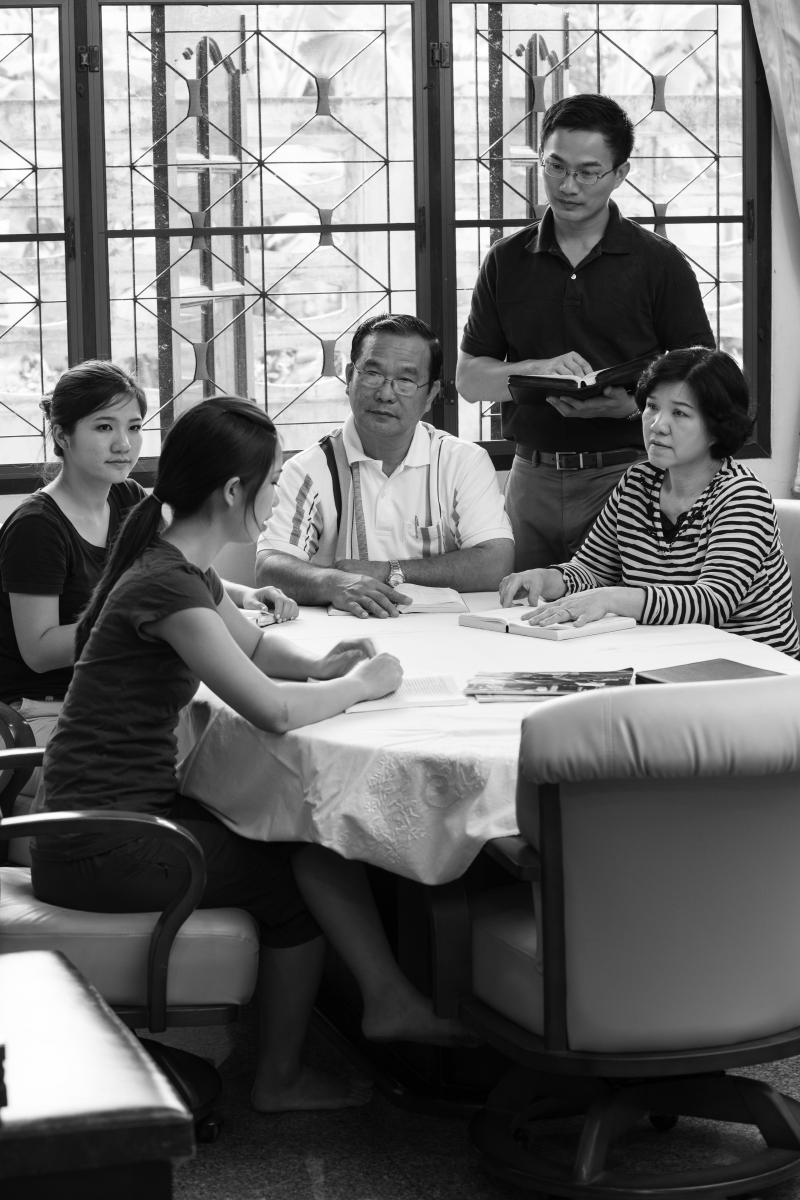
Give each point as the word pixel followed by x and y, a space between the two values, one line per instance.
pixel 725 565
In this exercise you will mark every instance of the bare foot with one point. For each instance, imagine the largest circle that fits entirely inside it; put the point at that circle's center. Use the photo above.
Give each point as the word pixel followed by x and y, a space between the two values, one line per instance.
pixel 311 1090
pixel 415 1021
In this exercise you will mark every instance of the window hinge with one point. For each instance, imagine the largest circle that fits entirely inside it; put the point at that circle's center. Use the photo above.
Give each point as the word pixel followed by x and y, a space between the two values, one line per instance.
pixel 439 54
pixel 88 59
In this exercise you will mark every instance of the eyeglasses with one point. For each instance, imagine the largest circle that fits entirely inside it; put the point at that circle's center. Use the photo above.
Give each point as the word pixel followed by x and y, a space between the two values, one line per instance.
pixel 401 387
pixel 585 178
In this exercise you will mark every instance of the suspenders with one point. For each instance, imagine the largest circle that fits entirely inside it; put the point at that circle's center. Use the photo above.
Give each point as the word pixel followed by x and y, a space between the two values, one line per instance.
pixel 344 480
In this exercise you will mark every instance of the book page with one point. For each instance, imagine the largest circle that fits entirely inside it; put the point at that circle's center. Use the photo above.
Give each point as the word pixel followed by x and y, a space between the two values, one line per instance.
pixel 416 692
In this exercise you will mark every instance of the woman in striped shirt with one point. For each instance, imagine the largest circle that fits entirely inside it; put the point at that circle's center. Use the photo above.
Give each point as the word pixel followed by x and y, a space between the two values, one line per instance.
pixel 688 536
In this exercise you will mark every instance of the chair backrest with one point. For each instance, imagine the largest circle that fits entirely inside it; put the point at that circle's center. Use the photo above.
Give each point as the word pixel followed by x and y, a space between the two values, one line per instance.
pixel 789 525
pixel 668 821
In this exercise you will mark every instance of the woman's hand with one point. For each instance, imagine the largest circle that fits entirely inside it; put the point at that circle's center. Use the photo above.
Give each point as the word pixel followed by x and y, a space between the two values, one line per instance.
pixel 273 599
pixel 380 675
pixel 344 657
pixel 581 608
pixel 529 586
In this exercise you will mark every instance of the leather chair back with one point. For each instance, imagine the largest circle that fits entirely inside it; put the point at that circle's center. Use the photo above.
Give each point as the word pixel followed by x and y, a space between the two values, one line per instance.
pixel 669 825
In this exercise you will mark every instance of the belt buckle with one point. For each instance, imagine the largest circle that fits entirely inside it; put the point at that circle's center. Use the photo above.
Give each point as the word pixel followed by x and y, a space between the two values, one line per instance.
pixel 563 465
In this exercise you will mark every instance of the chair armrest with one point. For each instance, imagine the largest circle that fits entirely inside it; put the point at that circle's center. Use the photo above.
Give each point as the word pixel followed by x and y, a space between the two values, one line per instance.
pixel 516 856
pixel 184 902
pixel 16 733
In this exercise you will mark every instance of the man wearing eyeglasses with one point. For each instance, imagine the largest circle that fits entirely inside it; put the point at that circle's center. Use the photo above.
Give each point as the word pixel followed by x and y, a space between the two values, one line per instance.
pixel 387 499
pixel 581 289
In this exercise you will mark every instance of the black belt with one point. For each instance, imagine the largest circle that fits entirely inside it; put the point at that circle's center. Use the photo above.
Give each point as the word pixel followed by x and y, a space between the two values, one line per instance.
pixel 577 460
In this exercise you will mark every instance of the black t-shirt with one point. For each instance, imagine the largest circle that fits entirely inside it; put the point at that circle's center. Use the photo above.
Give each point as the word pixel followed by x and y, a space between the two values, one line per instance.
pixel 42 554
pixel 634 294
pixel 114 746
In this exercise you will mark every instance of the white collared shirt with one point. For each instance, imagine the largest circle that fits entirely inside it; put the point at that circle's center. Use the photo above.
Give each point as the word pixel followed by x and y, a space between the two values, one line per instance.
pixel 395 512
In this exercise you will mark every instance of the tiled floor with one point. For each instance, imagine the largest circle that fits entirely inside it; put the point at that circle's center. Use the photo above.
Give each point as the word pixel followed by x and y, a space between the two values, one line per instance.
pixel 379 1151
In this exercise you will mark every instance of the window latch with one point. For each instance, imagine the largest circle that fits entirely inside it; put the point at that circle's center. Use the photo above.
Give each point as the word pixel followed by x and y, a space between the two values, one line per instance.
pixel 439 54
pixel 88 59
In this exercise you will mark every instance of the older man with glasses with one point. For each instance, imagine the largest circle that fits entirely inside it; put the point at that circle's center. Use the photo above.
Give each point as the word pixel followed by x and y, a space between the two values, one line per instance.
pixel 581 289
pixel 387 499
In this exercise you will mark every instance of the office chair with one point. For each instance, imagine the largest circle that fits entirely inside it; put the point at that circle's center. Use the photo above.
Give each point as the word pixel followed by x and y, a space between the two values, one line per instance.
pixel 649 943
pixel 183 967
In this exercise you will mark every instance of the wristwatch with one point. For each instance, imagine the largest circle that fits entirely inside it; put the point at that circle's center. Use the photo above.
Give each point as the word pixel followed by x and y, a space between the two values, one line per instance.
pixel 395 577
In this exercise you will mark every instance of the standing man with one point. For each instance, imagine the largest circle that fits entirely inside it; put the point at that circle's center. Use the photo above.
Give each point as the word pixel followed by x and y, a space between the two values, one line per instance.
pixel 581 289
pixel 387 499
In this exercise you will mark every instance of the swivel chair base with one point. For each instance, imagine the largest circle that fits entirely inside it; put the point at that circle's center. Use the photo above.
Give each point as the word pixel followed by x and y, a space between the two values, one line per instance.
pixel 535 1146
pixel 196 1081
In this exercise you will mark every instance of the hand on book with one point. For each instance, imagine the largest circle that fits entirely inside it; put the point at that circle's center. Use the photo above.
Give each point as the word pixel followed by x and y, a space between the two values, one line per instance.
pixel 541 583
pixel 615 402
pixel 581 608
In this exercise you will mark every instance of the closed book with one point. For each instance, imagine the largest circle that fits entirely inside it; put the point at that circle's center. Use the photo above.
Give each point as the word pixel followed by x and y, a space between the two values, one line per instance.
pixel 704 671
pixel 511 620
pixel 526 388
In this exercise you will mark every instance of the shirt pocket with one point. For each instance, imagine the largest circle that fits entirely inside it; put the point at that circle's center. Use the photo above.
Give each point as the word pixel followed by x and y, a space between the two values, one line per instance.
pixel 430 539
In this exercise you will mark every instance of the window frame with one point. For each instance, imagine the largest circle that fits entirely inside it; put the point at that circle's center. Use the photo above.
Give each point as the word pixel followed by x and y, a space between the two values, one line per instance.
pixel 87 282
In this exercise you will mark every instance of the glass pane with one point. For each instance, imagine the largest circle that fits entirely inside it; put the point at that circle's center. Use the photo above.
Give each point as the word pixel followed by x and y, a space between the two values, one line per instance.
pixel 260 175
pixel 33 326
pixel 677 71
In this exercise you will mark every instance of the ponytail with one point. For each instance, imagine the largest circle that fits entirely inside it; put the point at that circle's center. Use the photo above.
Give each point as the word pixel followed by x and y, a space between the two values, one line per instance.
pixel 219 439
pixel 138 531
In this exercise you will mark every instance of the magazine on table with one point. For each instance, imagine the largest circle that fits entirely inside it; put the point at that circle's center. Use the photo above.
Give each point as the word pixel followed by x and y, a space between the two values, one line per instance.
pixel 503 686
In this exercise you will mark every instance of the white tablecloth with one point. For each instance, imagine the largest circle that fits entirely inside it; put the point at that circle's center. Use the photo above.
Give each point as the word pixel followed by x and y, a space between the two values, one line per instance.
pixel 416 791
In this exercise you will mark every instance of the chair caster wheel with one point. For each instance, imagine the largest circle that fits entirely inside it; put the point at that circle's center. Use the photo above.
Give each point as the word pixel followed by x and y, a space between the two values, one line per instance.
pixel 663 1121
pixel 208 1129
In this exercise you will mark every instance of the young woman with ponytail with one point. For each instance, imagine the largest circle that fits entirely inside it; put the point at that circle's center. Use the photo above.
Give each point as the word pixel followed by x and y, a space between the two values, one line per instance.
pixel 158 623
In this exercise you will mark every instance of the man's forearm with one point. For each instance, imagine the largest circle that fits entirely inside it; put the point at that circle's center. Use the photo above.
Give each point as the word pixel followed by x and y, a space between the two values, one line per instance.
pixel 486 379
pixel 301 580
pixel 477 569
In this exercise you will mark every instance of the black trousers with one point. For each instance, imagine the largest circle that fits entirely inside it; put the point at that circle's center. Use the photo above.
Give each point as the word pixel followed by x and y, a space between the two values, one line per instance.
pixel 142 874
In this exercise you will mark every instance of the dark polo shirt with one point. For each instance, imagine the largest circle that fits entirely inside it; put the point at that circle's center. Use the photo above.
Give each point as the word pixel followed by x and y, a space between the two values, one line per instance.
pixel 633 294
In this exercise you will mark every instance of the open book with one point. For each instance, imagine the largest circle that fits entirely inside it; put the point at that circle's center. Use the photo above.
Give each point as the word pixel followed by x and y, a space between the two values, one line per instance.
pixel 416 692
pixel 525 388
pixel 504 686
pixel 511 620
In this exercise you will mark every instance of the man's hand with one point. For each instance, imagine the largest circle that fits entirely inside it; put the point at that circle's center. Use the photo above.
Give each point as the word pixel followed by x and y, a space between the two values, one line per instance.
pixel 570 363
pixel 343 657
pixel 367 597
pixel 615 402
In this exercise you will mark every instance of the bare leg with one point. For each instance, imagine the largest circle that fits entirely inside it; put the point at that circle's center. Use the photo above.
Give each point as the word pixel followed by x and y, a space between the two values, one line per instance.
pixel 288 979
pixel 337 892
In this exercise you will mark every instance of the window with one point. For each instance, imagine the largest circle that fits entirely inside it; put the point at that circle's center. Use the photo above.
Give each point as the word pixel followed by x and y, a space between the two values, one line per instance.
pixel 231 188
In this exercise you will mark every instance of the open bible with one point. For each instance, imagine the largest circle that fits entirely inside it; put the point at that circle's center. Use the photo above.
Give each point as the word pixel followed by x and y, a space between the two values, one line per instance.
pixel 525 388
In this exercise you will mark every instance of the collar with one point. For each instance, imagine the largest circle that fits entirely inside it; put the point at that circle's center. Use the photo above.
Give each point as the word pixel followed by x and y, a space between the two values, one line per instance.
pixel 617 237
pixel 418 455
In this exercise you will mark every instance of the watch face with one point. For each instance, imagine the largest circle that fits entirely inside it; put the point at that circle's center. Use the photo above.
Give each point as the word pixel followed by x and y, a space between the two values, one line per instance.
pixel 396 578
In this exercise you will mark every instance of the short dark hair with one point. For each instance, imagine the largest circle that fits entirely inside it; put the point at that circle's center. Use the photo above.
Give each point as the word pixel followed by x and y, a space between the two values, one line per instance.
pixel 598 114
pixel 719 387
pixel 404 325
